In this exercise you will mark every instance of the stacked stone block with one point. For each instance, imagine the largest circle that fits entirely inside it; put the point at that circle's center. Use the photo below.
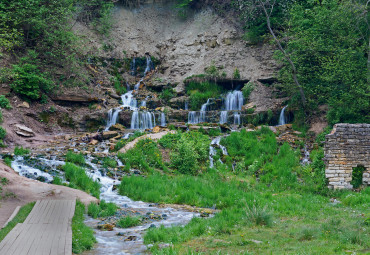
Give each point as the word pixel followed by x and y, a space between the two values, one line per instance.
pixel 347 146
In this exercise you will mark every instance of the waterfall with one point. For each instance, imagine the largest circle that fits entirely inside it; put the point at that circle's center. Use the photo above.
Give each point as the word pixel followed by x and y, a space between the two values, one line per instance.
pixel 212 150
pixel 282 120
pixel 112 118
pixel 142 120
pixel 234 100
pixel 193 118
pixel 236 118
pixel 137 85
pixel 133 66
pixel 149 65
pixel 186 105
pixel 163 119
pixel 223 117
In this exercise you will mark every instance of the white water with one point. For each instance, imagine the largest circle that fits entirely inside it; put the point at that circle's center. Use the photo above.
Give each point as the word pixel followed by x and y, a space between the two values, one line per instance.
pixel 199 117
pixel 223 117
pixel 236 118
pixel 108 241
pixel 306 158
pixel 193 117
pixel 149 65
pixel 112 117
pixel 282 119
pixel 163 119
pixel 142 120
pixel 234 101
pixel 212 150
pixel 186 105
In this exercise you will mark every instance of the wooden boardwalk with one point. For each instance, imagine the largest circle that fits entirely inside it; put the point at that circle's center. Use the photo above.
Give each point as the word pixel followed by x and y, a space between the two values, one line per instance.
pixel 47 230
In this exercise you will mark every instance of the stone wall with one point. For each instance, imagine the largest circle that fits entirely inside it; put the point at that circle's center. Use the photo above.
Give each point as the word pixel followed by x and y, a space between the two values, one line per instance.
pixel 347 146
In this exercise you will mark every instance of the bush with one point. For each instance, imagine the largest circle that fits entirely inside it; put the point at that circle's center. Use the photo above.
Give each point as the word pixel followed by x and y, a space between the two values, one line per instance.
pixel 78 179
pixel 247 90
pixel 109 162
pixel 236 74
pixel 4 102
pixel 75 158
pixel 200 92
pixel 28 81
pixel 2 133
pixel 128 222
pixel 167 94
pixel 82 236
pixel 20 151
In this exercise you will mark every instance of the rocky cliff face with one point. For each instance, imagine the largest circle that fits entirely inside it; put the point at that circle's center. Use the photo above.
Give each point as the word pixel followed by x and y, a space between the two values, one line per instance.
pixel 185 46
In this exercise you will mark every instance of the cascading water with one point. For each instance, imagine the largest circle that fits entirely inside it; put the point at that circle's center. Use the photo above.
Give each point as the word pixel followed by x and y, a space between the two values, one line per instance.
pixel 142 120
pixel 149 65
pixel 111 242
pixel 163 119
pixel 234 101
pixel 223 117
pixel 112 118
pixel 236 118
pixel 186 105
pixel 133 67
pixel 199 117
pixel 282 119
pixel 193 117
pixel 213 152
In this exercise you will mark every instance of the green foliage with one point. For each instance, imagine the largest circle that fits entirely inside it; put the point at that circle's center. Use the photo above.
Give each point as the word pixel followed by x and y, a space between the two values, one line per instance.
pixel 119 87
pixel 200 92
pixel 236 74
pixel 82 236
pixel 78 179
pixel 247 90
pixel 190 153
pixel 28 80
pixel 19 218
pixel 1 116
pixel 2 133
pixel 167 94
pixel 76 158
pixel 357 174
pixel 102 210
pixel 7 161
pixel 128 222
pixel 212 71
pixel 4 102
pixel 144 156
pixel 20 151
pixel 109 162
pixel 258 215
pixel 57 181
pixel 332 68
pixel 121 143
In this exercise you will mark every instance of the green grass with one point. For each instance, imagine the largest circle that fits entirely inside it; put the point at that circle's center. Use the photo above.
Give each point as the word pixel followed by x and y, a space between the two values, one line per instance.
pixel 82 236
pixel 121 143
pixel 200 92
pixel 76 158
pixel 20 151
pixel 19 218
pixel 109 162
pixel 269 197
pixel 101 210
pixel 128 222
pixel 78 179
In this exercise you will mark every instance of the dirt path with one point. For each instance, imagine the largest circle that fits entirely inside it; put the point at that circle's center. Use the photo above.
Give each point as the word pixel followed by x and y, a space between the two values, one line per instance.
pixel 156 136
pixel 27 190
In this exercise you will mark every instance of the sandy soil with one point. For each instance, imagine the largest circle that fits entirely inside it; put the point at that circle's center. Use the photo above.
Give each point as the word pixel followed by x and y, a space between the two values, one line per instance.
pixel 27 190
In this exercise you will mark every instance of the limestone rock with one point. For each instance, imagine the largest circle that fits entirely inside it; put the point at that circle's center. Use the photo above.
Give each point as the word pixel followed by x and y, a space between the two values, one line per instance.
pixel 117 127
pixel 24 131
pixel 24 105
pixel 109 134
pixel 94 142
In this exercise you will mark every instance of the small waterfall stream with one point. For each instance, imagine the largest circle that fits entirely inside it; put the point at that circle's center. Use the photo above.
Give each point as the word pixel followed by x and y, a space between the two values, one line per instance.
pixel 110 242
pixel 282 119
pixel 213 152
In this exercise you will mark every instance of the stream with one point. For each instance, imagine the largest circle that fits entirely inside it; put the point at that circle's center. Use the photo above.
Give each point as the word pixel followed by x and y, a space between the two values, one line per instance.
pixel 117 241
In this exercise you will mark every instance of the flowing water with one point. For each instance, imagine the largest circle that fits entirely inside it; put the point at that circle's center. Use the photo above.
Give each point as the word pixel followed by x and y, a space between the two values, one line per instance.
pixel 215 143
pixel 223 117
pixel 282 119
pixel 118 241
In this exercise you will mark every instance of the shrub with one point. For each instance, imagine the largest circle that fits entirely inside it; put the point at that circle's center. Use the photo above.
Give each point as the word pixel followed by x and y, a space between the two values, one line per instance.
pixel 2 133
pixel 109 162
pixel 57 181
pixel 102 210
pixel 75 158
pixel 199 93
pixel 247 90
pixel 82 236
pixel 19 151
pixel 4 102
pixel 167 94
pixel 236 74
pixel 128 221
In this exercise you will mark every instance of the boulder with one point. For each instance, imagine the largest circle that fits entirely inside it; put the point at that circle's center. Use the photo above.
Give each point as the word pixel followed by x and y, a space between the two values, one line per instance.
pixel 24 131
pixel 94 142
pixel 109 134
pixel 117 127
pixel 24 105
pixel 75 98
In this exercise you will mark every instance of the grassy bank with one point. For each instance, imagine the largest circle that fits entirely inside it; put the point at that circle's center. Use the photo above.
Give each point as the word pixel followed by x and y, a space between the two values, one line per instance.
pixel 82 236
pixel 269 203
pixel 19 218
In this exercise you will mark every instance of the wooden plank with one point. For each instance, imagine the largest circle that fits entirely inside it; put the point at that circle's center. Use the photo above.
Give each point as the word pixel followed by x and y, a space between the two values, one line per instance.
pixel 56 227
pixel 10 237
pixel 20 240
pixel 27 239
